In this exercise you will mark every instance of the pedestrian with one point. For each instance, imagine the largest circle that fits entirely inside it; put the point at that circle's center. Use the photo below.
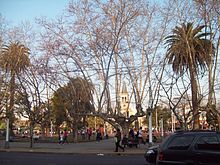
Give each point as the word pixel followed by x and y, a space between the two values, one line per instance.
pixel 89 132
pixel 139 135
pixel 98 135
pixel 131 134
pixel 118 140
pixel 101 129
pixel 144 136
pixel 61 138
pixel 65 135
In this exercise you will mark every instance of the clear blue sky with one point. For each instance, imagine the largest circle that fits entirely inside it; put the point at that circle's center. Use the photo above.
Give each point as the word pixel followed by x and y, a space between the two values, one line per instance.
pixel 16 11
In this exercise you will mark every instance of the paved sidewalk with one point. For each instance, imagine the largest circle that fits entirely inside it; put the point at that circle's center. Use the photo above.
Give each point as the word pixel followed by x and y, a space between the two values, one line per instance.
pixel 106 146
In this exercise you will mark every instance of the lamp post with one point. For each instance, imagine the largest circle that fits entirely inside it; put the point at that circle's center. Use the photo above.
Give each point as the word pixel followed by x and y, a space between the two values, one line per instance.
pixel 172 122
pixel 51 128
pixel 7 134
pixel 161 125
pixel 95 123
pixel 149 112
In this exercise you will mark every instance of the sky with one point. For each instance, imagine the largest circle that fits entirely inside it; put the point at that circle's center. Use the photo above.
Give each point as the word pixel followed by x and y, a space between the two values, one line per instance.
pixel 17 11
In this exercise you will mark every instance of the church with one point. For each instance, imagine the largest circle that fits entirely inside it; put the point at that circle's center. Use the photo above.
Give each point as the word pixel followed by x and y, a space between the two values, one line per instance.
pixel 126 108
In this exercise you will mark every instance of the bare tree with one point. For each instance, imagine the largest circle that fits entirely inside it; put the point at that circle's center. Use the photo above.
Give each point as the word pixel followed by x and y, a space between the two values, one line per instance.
pixel 108 43
pixel 31 104
pixel 208 12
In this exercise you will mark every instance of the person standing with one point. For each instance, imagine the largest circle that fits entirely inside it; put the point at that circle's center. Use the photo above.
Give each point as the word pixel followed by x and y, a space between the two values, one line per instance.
pixel 61 138
pixel 98 135
pixel 118 140
pixel 89 132
pixel 101 129
pixel 144 136
pixel 65 136
pixel 131 134
pixel 140 138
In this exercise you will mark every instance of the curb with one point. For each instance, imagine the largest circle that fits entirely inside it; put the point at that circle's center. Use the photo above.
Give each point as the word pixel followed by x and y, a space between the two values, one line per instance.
pixel 98 153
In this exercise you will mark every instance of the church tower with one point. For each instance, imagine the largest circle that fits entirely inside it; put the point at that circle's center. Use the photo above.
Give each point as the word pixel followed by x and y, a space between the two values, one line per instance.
pixel 124 100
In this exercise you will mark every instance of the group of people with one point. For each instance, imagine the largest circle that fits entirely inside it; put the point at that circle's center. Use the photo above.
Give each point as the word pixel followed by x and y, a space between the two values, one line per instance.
pixel 63 137
pixel 84 133
pixel 118 137
pixel 139 137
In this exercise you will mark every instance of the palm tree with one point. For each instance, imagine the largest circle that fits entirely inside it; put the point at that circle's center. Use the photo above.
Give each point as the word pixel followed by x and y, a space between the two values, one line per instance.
pixel 13 59
pixel 190 50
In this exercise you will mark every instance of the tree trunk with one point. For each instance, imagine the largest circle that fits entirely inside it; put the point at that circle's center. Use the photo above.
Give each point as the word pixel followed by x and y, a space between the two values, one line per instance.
pixel 31 134
pixel 42 130
pixel 58 132
pixel 194 90
pixel 11 102
pixel 195 103
pixel 125 128
pixel 218 119
pixel 75 130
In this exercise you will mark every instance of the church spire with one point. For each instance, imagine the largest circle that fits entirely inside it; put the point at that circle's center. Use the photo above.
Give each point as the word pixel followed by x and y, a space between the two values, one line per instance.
pixel 124 88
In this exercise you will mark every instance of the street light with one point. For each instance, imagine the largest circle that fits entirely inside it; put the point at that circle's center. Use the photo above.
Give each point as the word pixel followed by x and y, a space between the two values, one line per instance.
pixel 161 125
pixel 173 121
pixel 149 112
pixel 7 134
pixel 51 128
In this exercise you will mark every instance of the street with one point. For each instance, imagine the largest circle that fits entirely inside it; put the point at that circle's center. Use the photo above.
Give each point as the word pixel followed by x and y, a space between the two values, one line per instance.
pixel 17 158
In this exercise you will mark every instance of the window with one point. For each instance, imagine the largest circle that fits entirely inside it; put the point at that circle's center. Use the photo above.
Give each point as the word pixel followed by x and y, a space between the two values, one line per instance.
pixel 180 143
pixel 210 143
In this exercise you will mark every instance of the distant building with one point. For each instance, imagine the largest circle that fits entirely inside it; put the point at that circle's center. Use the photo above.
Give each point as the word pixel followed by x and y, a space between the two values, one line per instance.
pixel 125 106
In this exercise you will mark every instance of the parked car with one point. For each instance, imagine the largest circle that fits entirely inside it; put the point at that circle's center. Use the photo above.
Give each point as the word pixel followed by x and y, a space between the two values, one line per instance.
pixel 187 147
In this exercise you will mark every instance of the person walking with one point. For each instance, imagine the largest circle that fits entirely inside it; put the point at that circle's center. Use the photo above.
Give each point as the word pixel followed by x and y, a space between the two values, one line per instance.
pixel 118 140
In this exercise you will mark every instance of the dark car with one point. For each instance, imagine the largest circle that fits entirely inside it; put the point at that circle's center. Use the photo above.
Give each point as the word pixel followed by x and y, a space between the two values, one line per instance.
pixel 188 147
